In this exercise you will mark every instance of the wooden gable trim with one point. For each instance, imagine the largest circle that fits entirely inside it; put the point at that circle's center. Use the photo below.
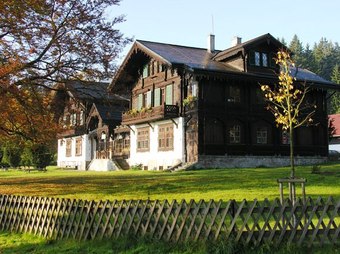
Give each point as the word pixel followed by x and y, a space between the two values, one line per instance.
pixel 137 47
pixel 244 47
pixel 93 112
pixel 152 54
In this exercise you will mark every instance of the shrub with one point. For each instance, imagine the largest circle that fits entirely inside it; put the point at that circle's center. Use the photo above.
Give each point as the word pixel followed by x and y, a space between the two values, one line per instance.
pixel 41 156
pixel 316 169
pixel 137 167
pixel 26 157
pixel 11 156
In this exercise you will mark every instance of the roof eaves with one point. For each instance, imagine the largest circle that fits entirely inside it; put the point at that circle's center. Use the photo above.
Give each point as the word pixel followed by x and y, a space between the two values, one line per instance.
pixel 152 53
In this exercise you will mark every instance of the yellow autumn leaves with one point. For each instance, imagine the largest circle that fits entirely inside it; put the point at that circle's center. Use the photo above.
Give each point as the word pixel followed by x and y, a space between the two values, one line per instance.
pixel 285 98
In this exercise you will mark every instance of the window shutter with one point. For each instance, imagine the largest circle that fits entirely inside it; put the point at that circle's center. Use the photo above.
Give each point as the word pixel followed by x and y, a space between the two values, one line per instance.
pixel 148 99
pixel 168 94
pixel 157 95
pixel 140 101
pixel 146 71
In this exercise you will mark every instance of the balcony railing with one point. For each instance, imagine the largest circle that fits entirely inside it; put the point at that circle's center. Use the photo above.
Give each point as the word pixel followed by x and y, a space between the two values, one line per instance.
pixel 153 114
pixel 72 131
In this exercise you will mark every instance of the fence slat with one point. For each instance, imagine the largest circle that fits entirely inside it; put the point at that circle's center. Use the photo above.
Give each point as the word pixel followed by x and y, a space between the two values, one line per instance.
pixel 108 218
pixel 184 219
pixel 309 221
pixel 95 231
pixel 203 220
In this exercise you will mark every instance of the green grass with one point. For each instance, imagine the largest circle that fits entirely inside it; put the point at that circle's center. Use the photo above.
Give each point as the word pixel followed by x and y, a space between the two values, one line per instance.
pixel 24 243
pixel 215 184
pixel 225 184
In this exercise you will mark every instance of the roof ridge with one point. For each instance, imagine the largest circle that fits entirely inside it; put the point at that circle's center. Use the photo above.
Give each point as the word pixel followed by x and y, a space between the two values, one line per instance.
pixel 173 45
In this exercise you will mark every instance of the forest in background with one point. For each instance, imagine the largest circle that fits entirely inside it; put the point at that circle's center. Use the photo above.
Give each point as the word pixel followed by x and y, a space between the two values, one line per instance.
pixel 323 58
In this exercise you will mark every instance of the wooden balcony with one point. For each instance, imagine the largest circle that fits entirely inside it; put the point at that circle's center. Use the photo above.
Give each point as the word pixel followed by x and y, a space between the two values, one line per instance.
pixel 149 115
pixel 72 131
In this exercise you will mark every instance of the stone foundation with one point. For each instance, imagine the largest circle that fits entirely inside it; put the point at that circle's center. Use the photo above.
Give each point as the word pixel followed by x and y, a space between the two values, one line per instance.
pixel 211 161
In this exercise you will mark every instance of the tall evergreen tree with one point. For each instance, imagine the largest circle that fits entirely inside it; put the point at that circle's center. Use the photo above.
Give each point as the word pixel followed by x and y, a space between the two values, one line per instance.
pixel 323 54
pixel 335 99
pixel 308 59
pixel 298 51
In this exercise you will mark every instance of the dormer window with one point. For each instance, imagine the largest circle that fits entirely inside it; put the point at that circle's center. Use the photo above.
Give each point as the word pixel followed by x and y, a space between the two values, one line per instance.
pixel 259 59
pixel 264 60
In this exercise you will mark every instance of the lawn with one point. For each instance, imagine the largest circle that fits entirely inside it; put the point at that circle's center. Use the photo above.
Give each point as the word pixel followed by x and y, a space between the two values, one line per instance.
pixel 225 184
pixel 24 243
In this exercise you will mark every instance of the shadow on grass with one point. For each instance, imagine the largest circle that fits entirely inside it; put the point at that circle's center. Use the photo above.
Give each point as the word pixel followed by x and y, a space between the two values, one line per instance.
pixel 215 184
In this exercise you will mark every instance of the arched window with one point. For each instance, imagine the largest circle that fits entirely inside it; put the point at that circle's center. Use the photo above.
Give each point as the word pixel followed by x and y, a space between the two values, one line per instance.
pixel 214 133
pixel 235 133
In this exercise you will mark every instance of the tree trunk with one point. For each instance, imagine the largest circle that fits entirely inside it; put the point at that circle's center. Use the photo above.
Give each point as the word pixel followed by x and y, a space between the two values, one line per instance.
pixel 291 146
pixel 292 191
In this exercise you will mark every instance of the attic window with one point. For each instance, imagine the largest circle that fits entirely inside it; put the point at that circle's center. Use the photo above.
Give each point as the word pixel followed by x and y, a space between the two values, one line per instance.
pixel 264 60
pixel 259 59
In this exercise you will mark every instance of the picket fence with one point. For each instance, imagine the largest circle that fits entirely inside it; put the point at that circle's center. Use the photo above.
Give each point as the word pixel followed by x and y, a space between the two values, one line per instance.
pixel 310 222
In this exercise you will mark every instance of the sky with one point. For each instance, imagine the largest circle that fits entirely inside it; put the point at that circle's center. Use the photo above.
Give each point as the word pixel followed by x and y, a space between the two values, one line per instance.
pixel 189 22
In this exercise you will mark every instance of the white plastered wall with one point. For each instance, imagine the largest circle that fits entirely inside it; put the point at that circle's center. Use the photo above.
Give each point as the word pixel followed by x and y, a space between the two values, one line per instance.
pixel 153 158
pixel 80 162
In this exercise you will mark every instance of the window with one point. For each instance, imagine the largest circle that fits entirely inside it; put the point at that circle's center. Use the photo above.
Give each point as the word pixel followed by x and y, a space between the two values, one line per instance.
pixel 148 99
pixel 235 134
pixel 68 120
pixel 261 135
pixel 257 58
pixel 214 132
pixel 193 88
pixel 146 71
pixel 264 60
pixel 168 94
pixel 166 137
pixel 140 101
pixel 81 116
pixel 143 139
pixel 157 97
pixel 234 94
pixel 78 147
pixel 68 147
pixel 285 138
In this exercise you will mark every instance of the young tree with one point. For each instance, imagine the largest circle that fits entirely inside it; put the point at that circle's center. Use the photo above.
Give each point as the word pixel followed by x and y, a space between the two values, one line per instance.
pixel 286 102
pixel 47 41
pixel 335 99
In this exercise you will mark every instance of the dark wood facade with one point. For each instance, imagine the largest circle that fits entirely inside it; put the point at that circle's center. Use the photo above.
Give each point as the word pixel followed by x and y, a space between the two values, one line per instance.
pixel 218 95
pixel 217 115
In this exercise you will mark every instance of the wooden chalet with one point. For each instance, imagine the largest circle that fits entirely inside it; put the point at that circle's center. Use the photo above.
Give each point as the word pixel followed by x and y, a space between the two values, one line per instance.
pixel 88 115
pixel 204 107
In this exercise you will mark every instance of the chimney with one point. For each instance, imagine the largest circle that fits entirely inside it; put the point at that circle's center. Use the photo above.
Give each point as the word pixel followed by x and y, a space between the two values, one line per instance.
pixel 211 43
pixel 236 41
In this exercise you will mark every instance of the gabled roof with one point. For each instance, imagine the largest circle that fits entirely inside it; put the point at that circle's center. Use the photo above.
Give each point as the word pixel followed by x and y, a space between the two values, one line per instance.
pixel 86 90
pixel 107 112
pixel 198 59
pixel 194 58
pixel 266 38
pixel 304 75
